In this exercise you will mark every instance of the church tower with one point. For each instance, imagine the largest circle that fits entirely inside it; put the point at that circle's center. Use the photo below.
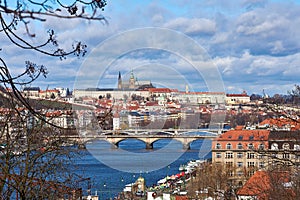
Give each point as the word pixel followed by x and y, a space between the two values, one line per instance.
pixel 131 81
pixel 120 81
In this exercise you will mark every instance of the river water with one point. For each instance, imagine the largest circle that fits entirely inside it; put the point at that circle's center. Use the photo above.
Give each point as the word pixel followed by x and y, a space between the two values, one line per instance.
pixel 111 169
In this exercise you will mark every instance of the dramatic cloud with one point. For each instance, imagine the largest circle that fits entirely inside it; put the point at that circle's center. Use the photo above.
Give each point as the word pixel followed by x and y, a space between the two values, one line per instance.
pixel 245 72
pixel 254 43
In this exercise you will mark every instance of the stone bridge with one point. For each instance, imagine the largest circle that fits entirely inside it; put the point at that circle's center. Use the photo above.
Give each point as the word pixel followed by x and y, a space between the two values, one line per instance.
pixel 164 131
pixel 149 140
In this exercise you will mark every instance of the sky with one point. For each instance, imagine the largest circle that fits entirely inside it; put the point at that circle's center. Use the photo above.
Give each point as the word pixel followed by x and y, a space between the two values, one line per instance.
pixel 248 45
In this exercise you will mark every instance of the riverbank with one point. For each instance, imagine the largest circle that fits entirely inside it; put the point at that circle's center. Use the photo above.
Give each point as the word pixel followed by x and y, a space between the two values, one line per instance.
pixel 173 186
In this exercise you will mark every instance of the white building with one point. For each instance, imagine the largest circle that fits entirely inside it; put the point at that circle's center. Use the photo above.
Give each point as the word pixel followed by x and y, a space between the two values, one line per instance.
pixel 200 97
pixel 233 99
pixel 116 121
pixel 115 94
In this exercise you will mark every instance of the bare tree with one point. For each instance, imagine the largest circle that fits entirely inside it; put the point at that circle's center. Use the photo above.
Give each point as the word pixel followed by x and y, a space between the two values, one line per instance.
pixel 295 94
pixel 34 164
pixel 34 161
pixel 212 180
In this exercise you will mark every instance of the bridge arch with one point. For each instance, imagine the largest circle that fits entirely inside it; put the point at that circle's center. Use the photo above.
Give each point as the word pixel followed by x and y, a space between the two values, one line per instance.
pixel 117 143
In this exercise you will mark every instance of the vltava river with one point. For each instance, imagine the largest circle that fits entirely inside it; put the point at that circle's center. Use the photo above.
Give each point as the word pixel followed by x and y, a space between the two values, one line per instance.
pixel 122 166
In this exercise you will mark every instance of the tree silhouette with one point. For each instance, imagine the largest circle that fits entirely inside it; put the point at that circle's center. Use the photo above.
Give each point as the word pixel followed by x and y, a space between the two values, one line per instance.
pixel 34 164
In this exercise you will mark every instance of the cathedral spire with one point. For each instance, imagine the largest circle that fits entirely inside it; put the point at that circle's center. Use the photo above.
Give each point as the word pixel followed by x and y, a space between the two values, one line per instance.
pixel 120 81
pixel 119 76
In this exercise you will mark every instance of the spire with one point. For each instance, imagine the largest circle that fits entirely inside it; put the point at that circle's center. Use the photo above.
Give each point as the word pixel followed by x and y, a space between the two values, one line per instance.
pixel 119 76
pixel 131 81
pixel 120 81
pixel 131 75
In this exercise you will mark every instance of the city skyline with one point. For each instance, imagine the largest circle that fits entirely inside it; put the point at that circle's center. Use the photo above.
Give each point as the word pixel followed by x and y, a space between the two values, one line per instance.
pixel 254 44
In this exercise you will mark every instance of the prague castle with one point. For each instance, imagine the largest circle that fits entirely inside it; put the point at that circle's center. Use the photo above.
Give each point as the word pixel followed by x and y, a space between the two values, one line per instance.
pixel 145 89
pixel 133 83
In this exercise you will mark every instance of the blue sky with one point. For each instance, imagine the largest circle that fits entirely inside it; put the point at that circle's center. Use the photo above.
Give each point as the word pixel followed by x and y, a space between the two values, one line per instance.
pixel 255 44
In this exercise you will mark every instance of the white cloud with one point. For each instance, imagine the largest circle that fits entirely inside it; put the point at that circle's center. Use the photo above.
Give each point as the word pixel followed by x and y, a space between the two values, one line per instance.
pixel 249 71
pixel 255 43
pixel 194 26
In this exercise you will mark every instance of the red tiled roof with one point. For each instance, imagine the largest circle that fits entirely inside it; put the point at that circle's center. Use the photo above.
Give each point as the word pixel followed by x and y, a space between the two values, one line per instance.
pixel 160 90
pixel 254 135
pixel 262 183
pixel 280 122
pixel 210 93
pixel 46 91
pixel 237 95
pixel 151 104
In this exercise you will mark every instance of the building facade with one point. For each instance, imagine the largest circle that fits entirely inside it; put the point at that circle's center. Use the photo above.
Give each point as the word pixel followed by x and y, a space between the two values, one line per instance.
pixel 284 148
pixel 247 151
pixel 239 149
pixel 235 99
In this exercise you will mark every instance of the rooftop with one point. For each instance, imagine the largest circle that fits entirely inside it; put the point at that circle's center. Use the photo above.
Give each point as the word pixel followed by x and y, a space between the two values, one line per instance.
pixel 244 135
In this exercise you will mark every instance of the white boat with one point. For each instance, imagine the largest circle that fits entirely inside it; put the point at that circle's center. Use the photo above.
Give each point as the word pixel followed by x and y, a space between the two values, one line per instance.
pixel 182 167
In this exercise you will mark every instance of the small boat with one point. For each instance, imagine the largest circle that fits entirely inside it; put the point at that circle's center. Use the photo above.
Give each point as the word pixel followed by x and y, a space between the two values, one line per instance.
pixel 182 167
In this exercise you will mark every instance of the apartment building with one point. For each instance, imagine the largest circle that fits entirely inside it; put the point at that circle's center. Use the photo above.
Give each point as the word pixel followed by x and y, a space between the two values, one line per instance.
pixel 239 150
pixel 246 151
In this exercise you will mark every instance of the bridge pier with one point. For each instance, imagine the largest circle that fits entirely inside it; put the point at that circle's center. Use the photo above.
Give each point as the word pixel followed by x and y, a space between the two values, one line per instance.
pixel 81 146
pixel 149 145
pixel 114 146
pixel 186 146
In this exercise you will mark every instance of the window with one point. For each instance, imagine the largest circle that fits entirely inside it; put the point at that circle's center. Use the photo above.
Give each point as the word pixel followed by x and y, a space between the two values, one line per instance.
pixel 230 173
pixel 240 183
pixel 218 155
pixel 218 146
pixel 251 137
pixel 240 173
pixel 261 147
pixel 239 155
pixel 250 164
pixel 240 146
pixel 250 155
pixel 286 146
pixel 240 137
pixel 228 146
pixel 261 165
pixel 229 155
pixel 286 155
pixel 250 173
pixel 250 146
pixel 260 156
pixel 229 164
pixel 274 146
pixel 240 164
